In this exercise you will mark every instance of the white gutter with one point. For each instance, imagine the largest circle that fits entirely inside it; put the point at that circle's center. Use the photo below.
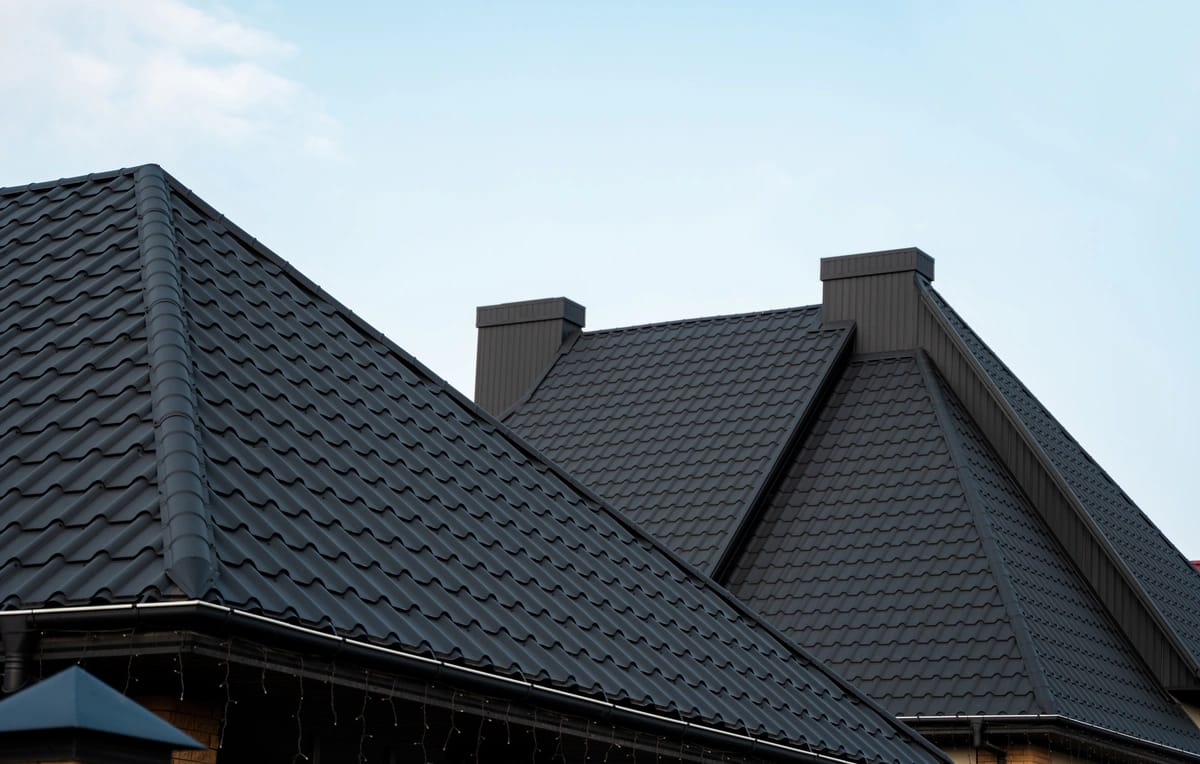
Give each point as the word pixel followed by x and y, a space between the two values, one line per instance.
pixel 546 690
pixel 1042 718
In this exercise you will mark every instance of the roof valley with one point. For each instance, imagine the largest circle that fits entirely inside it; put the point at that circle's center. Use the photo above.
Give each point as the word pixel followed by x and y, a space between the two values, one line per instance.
pixel 187 528
pixel 777 466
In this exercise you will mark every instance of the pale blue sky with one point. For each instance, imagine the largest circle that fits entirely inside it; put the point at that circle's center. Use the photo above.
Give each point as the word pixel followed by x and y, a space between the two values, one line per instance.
pixel 665 160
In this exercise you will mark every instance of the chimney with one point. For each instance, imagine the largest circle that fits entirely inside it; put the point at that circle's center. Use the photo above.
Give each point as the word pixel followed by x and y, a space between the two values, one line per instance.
pixel 517 342
pixel 878 291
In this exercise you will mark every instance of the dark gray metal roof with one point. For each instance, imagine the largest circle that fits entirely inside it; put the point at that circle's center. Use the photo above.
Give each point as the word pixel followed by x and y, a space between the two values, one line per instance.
pixel 1169 580
pixel 897 546
pixel 322 476
pixel 679 424
pixel 898 549
pixel 73 699
pixel 868 554
pixel 1081 665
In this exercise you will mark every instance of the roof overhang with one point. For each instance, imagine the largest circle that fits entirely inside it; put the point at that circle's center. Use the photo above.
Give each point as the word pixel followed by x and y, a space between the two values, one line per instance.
pixel 207 629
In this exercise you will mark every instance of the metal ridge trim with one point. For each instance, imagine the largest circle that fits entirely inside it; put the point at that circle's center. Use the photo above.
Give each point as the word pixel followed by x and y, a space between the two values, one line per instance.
pixel 183 496
pixel 1047 464
pixel 987 538
pixel 781 460
pixel 629 711
pixel 1055 718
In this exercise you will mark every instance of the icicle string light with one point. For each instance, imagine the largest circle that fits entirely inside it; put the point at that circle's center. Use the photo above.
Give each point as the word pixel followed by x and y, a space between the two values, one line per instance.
pixel 228 696
pixel 128 667
pixel 479 737
pixel 332 704
pixel 392 703
pixel 362 716
pixel 424 724
pixel 299 715
pixel 179 661
pixel 453 729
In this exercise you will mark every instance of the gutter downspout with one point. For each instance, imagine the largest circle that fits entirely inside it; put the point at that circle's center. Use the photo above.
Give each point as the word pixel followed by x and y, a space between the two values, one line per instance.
pixel 979 743
pixel 16 637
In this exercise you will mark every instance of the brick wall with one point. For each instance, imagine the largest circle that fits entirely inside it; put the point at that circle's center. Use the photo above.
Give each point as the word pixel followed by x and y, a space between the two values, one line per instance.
pixel 1017 754
pixel 200 721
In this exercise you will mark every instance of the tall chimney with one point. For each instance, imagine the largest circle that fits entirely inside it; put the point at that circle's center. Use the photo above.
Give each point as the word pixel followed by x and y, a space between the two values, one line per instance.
pixel 878 292
pixel 517 342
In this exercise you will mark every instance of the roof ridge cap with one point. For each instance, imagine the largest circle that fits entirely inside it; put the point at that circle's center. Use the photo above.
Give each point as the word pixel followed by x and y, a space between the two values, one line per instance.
pixel 1029 653
pixel 700 319
pixel 183 496
pixel 42 185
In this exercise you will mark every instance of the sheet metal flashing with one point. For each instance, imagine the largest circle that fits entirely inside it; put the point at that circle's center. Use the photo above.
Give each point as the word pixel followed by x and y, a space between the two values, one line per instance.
pixel 877 263
pixel 547 309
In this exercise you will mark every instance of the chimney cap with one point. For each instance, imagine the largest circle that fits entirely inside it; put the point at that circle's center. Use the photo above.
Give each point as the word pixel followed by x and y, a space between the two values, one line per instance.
pixel 877 263
pixel 546 309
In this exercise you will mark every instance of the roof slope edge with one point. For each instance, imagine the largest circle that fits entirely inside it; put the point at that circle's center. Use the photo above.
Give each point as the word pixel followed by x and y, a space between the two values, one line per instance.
pixel 1102 564
pixel 564 478
pixel 183 497
pixel 995 560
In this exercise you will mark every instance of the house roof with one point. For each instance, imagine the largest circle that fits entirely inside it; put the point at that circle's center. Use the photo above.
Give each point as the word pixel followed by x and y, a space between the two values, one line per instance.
pixel 185 417
pixel 1169 581
pixel 682 421
pixel 895 542
pixel 74 700
pixel 929 581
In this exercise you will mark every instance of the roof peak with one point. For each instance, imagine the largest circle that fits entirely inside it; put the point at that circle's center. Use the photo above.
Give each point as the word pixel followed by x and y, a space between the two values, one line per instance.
pixel 103 175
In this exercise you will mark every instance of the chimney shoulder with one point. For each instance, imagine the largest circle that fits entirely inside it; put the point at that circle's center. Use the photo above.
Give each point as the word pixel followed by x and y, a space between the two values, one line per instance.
pixel 517 341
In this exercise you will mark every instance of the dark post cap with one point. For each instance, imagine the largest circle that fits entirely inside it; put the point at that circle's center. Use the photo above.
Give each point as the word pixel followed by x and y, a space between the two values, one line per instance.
pixel 548 309
pixel 876 263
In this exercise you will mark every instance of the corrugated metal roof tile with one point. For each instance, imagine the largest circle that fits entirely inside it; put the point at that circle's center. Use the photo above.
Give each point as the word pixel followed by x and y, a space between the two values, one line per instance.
pixel 348 491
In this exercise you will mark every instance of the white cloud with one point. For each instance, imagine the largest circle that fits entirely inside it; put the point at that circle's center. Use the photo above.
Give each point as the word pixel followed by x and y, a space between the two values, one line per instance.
pixel 138 80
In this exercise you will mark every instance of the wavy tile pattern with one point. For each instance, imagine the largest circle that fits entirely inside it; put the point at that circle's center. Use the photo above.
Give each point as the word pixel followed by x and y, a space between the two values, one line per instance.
pixel 874 555
pixel 76 434
pixel 868 556
pixel 1171 582
pixel 678 424
pixel 347 489
pixel 352 494
pixel 1090 671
